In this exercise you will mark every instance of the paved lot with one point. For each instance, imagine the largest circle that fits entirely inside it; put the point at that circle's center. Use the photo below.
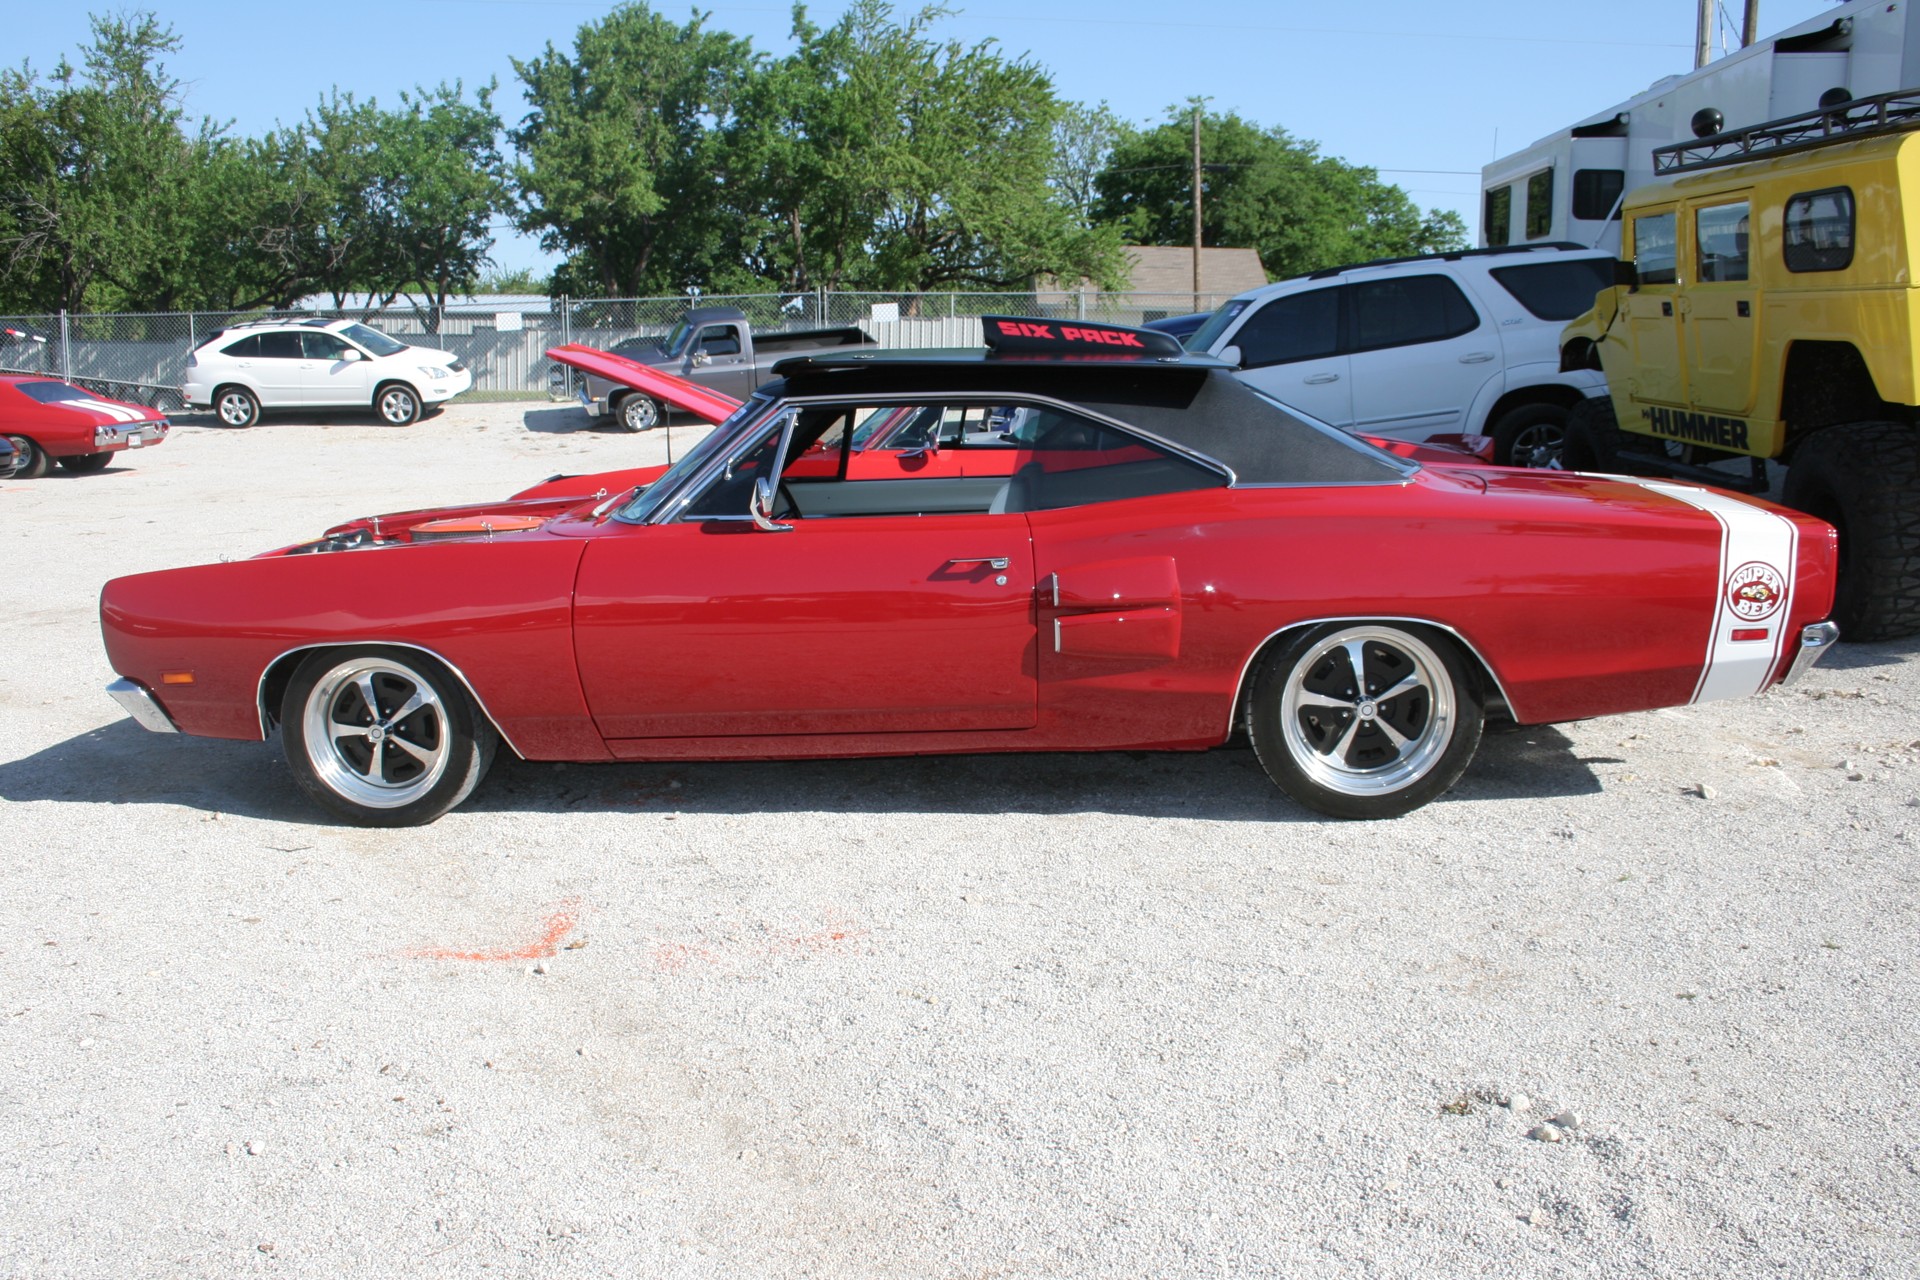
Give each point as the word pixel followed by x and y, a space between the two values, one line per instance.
pixel 1004 1016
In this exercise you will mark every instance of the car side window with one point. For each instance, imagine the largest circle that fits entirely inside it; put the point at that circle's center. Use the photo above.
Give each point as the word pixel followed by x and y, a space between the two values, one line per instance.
pixel 323 346
pixel 245 349
pixel 720 340
pixel 1720 242
pixel 281 346
pixel 1402 311
pixel 1819 230
pixel 1302 326
pixel 1656 248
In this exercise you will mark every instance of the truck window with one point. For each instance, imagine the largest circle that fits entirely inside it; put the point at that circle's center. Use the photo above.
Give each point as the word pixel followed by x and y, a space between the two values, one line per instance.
pixel 1655 248
pixel 720 340
pixel 1819 231
pixel 1720 242
pixel 1556 290
pixel 1497 220
pixel 1399 313
pixel 1540 205
pixel 1596 192
pixel 1305 326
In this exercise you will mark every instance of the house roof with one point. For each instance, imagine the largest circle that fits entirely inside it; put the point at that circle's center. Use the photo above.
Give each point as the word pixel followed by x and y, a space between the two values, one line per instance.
pixel 1169 269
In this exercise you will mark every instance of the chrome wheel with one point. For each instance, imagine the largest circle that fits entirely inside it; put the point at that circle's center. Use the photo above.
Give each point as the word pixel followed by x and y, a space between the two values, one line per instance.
pixel 1367 711
pixel 398 405
pixel 376 733
pixel 236 407
pixel 639 413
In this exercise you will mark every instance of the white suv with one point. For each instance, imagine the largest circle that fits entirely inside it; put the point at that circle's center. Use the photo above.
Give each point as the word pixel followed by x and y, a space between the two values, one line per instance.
pixel 289 364
pixel 1408 348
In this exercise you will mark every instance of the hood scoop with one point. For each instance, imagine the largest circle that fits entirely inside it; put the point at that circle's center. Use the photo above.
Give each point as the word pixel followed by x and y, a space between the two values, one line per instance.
pixel 473 527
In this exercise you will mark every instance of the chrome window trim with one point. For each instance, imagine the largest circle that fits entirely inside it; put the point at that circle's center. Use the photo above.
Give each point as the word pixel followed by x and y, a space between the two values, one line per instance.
pixel 1240 686
pixel 758 401
pixel 260 687
pixel 673 509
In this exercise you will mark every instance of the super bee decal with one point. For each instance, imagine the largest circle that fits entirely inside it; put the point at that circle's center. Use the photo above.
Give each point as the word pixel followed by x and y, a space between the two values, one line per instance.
pixel 1755 591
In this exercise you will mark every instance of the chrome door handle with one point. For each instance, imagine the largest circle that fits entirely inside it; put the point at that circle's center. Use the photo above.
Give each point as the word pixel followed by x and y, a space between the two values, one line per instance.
pixel 1320 378
pixel 1476 357
pixel 992 562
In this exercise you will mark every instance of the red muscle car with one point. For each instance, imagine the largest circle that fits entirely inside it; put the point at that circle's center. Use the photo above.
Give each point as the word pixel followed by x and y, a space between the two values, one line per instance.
pixel 51 421
pixel 1170 558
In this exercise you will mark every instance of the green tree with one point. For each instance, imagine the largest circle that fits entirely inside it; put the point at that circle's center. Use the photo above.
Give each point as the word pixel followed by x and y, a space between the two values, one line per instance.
pixel 876 157
pixel 1265 190
pixel 1083 140
pixel 620 151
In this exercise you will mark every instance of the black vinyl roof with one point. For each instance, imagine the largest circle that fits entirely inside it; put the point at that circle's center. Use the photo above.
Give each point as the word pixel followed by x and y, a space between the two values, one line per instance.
pixel 1191 401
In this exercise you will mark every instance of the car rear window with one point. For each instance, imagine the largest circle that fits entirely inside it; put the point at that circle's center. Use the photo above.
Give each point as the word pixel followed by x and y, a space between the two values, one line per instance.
pixel 52 392
pixel 1557 290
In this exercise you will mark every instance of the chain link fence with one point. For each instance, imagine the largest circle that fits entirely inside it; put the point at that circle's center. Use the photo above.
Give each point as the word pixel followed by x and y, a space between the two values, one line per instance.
pixel 142 357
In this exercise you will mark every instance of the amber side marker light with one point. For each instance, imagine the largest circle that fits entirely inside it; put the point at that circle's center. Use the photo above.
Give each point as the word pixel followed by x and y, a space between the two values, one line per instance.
pixel 176 677
pixel 1742 633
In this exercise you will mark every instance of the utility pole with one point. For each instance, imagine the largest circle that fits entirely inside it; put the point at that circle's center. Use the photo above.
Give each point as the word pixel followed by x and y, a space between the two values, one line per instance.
pixel 1750 24
pixel 1703 34
pixel 1196 205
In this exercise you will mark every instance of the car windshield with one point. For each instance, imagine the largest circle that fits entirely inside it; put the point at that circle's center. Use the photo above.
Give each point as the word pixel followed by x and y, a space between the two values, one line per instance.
pixel 649 500
pixel 1203 337
pixel 675 339
pixel 52 392
pixel 374 340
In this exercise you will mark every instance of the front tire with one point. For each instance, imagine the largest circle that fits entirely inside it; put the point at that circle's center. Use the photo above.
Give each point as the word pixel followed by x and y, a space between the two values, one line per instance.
pixel 1591 437
pixel 636 412
pixel 33 460
pixel 397 404
pixel 85 464
pixel 1531 435
pixel 236 406
pixel 1863 478
pixel 383 737
pixel 1365 720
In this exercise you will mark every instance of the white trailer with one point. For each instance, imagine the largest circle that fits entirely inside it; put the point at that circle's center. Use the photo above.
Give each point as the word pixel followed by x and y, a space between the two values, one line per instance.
pixel 1567 186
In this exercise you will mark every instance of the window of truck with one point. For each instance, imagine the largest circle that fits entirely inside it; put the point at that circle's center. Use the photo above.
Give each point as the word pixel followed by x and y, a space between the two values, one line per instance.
pixel 1819 230
pixel 1656 248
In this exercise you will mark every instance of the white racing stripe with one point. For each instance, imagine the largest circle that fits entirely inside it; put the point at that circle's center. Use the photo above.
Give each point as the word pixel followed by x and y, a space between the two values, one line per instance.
pixel 118 412
pixel 1758 551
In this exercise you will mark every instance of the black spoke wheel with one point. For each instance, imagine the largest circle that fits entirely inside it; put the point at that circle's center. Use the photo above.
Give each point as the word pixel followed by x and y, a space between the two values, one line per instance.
pixel 1365 720
pixel 1530 436
pixel 383 737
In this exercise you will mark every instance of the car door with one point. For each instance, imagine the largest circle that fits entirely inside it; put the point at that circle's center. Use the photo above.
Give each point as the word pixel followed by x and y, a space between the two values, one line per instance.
pixel 712 625
pixel 1290 349
pixel 281 369
pixel 1420 352
pixel 1717 321
pixel 716 359
pixel 1653 327
pixel 328 375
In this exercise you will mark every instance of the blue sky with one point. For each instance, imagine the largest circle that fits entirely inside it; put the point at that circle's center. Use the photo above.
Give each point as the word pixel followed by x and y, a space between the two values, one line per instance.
pixel 1426 93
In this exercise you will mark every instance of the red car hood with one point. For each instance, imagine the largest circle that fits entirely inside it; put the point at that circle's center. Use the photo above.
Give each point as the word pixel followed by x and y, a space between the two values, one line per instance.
pixel 688 397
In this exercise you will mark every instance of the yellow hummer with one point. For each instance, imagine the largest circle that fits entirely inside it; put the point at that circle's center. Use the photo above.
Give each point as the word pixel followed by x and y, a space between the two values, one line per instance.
pixel 1769 308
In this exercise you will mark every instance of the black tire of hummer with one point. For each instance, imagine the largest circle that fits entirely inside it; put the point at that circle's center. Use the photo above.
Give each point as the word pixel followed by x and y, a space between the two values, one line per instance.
pixel 1592 439
pixel 1864 479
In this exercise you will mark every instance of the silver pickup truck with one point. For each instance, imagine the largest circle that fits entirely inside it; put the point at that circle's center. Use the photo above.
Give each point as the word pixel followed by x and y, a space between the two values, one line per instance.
pixel 715 347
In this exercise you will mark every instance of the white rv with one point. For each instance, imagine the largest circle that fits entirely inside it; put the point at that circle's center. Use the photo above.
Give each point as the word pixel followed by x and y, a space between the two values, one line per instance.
pixel 1568 185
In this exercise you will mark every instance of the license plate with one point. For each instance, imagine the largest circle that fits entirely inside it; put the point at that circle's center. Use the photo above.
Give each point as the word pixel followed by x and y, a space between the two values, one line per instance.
pixel 134 442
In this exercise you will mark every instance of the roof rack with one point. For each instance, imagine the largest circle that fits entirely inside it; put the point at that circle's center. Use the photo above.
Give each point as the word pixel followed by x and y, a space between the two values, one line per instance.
pixel 1844 122
pixel 1444 255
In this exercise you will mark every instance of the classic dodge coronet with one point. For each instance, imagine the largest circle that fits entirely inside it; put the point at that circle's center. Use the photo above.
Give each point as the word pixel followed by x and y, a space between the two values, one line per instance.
pixel 1134 550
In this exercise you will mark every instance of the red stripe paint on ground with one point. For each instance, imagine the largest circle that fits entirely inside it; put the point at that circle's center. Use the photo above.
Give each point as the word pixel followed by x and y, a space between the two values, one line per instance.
pixel 559 924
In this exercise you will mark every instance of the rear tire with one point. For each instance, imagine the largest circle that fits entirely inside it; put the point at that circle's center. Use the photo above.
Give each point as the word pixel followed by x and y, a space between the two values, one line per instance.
pixel 236 406
pixel 33 460
pixel 1365 720
pixel 1591 441
pixel 85 464
pixel 1531 435
pixel 383 737
pixel 1864 479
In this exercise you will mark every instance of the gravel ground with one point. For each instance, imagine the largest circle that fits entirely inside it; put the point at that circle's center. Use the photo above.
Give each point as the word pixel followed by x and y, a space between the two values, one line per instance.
pixel 1113 1015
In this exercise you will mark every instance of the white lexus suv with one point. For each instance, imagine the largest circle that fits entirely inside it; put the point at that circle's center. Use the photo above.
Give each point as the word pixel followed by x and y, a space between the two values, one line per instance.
pixel 286 364
pixel 1407 348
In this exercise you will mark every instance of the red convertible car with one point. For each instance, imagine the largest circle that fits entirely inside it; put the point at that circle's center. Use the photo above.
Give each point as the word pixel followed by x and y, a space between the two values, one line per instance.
pixel 1172 558
pixel 51 421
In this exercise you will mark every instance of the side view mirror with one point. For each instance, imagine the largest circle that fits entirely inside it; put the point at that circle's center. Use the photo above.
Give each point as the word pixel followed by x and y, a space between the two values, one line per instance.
pixel 760 507
pixel 1626 274
pixel 351 354
pixel 1231 355
pixel 701 357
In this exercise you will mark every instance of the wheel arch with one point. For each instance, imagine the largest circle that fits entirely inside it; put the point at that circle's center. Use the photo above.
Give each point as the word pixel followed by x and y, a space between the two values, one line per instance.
pixel 1825 383
pixel 278 674
pixel 1558 394
pixel 1494 691
pixel 405 383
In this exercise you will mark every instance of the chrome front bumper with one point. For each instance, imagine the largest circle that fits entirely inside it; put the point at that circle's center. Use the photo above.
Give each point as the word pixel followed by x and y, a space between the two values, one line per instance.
pixel 138 703
pixel 1815 640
